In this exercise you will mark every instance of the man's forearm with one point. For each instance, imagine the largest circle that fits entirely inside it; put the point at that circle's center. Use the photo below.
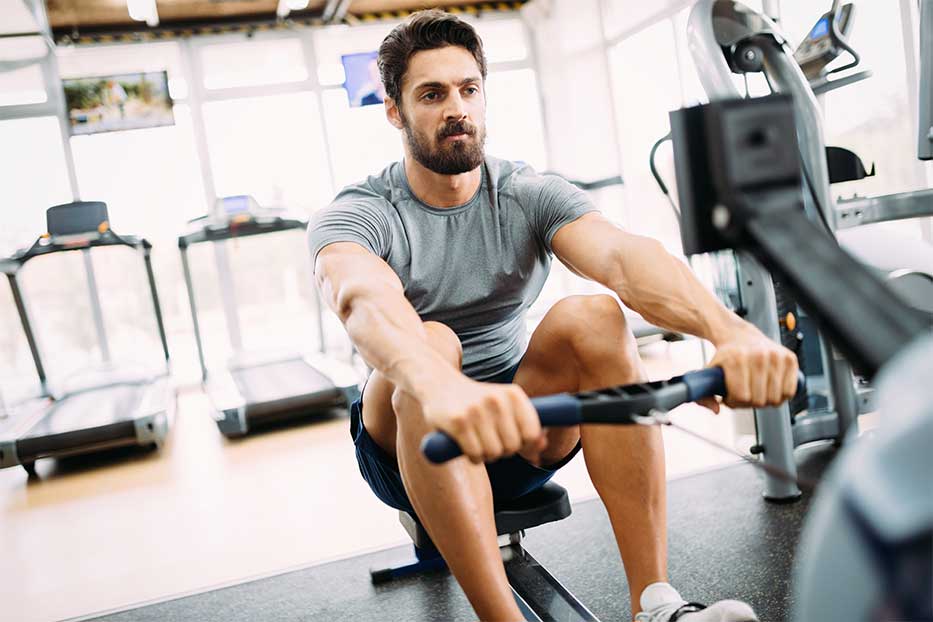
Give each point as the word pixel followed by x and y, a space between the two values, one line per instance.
pixel 666 293
pixel 391 338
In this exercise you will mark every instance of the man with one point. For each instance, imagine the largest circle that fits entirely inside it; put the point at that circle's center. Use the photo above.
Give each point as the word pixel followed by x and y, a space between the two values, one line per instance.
pixel 431 265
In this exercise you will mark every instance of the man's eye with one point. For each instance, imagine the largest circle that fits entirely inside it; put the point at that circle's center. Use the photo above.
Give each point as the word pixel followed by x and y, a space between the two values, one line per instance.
pixel 429 96
pixel 472 90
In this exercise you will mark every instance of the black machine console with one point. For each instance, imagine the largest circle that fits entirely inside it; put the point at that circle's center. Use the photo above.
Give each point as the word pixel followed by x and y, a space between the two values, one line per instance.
pixel 739 177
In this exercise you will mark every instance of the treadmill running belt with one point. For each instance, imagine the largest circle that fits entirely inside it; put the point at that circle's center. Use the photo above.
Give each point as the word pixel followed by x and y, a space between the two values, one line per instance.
pixel 292 380
pixel 90 409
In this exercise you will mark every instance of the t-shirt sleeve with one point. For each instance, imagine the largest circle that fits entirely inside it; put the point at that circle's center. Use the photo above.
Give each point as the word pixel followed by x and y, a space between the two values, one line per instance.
pixel 357 220
pixel 556 203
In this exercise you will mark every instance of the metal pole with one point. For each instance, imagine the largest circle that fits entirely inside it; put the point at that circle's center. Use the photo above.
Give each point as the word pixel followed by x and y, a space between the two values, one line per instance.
pixel 925 113
pixel 194 311
pixel 310 56
pixel 30 335
pixel 147 259
pixel 96 309
pixel 191 68
pixel 55 93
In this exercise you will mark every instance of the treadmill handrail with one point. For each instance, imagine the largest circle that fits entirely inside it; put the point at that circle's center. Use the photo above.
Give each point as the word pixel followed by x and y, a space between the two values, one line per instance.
pixel 211 232
pixel 49 245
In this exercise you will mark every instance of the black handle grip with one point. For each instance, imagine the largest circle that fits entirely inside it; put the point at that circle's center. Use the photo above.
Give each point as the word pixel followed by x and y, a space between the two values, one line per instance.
pixel 564 409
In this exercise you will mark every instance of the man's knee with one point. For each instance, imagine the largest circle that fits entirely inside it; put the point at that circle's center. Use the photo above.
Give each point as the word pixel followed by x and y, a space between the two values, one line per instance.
pixel 597 313
pixel 445 341
pixel 598 333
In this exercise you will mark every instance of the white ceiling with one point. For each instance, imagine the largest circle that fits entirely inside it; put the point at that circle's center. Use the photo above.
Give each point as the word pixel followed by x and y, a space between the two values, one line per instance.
pixel 15 17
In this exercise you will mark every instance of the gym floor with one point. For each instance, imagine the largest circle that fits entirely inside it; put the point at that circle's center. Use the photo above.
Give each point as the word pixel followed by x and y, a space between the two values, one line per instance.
pixel 129 527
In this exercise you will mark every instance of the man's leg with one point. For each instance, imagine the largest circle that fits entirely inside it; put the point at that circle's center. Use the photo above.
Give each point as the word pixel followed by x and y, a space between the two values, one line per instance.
pixel 454 500
pixel 584 343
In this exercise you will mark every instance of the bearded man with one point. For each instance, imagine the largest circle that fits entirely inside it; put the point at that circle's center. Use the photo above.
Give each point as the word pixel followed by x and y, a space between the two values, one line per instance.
pixel 431 265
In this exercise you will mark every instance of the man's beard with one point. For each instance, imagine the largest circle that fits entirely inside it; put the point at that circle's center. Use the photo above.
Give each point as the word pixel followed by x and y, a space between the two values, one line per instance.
pixel 448 158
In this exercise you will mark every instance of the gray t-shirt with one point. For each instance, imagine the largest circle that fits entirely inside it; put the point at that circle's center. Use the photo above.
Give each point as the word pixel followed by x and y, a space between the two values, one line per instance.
pixel 476 267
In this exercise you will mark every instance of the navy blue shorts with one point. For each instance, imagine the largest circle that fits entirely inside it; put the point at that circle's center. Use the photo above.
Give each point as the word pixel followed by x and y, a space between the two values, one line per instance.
pixel 510 477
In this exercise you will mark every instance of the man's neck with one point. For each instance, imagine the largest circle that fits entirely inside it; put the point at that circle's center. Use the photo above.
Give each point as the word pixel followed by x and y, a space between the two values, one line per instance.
pixel 441 190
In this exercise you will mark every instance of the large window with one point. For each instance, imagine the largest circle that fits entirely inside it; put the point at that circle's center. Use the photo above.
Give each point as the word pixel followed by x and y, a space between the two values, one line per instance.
pixel 269 147
pixel 24 85
pixel 33 177
pixel 361 140
pixel 642 105
pixel 252 63
pixel 513 117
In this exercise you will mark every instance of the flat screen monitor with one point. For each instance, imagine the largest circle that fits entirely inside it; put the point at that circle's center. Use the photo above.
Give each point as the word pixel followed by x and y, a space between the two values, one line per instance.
pixel 118 102
pixel 362 83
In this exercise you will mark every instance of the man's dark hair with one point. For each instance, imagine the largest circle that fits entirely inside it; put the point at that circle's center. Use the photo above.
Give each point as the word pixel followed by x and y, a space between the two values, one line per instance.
pixel 424 30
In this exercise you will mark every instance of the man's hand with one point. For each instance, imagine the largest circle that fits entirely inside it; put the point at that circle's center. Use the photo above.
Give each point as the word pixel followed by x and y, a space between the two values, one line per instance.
pixel 758 371
pixel 489 421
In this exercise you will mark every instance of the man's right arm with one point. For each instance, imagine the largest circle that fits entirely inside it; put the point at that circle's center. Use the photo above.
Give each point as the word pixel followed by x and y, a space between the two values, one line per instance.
pixel 369 299
pixel 487 420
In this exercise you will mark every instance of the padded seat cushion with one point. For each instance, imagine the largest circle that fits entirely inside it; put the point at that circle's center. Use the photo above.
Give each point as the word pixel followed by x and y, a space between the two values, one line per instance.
pixel 545 505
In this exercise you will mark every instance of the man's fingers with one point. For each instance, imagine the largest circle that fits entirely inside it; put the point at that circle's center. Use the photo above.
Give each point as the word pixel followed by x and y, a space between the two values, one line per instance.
pixel 710 402
pixel 776 379
pixel 526 417
pixel 509 433
pixel 758 381
pixel 489 436
pixel 470 445
pixel 790 379
pixel 738 384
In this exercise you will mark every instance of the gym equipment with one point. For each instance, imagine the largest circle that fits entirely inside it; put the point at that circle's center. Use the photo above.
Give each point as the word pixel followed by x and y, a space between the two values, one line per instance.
pixel 642 404
pixel 257 389
pixel 539 595
pixel 826 41
pixel 720 31
pixel 867 550
pixel 110 408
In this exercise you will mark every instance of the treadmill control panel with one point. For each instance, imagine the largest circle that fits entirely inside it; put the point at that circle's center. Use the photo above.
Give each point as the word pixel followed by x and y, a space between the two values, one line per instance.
pixel 820 46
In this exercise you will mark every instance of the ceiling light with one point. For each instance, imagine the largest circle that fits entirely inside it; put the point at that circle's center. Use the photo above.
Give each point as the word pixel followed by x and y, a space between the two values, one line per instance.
pixel 143 11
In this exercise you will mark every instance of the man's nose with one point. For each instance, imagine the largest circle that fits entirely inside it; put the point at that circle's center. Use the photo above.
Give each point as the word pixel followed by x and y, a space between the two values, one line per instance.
pixel 455 109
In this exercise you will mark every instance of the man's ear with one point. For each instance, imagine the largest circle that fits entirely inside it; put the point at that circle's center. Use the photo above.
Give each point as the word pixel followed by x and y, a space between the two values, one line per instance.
pixel 393 114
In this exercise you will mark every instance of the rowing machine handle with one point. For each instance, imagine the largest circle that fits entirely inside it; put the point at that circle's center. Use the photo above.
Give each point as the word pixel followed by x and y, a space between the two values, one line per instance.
pixel 712 381
pixel 563 409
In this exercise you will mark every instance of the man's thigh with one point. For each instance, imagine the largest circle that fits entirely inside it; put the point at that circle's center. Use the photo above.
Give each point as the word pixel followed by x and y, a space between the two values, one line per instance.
pixel 550 366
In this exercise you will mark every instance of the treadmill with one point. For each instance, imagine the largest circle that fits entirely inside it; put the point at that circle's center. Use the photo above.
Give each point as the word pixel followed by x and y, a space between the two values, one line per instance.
pixel 109 407
pixel 255 390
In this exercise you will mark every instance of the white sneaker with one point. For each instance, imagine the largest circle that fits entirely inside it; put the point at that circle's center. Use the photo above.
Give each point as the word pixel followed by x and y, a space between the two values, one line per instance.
pixel 720 611
pixel 662 603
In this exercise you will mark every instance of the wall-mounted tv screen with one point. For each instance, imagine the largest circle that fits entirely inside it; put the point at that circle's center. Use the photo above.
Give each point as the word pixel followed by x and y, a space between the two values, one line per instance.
pixel 120 102
pixel 362 83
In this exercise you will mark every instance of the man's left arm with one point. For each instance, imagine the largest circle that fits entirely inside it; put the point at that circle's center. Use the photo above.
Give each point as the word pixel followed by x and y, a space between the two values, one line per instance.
pixel 660 287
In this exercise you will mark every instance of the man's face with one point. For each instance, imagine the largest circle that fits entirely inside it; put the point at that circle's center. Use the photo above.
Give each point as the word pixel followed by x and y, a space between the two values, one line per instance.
pixel 443 112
